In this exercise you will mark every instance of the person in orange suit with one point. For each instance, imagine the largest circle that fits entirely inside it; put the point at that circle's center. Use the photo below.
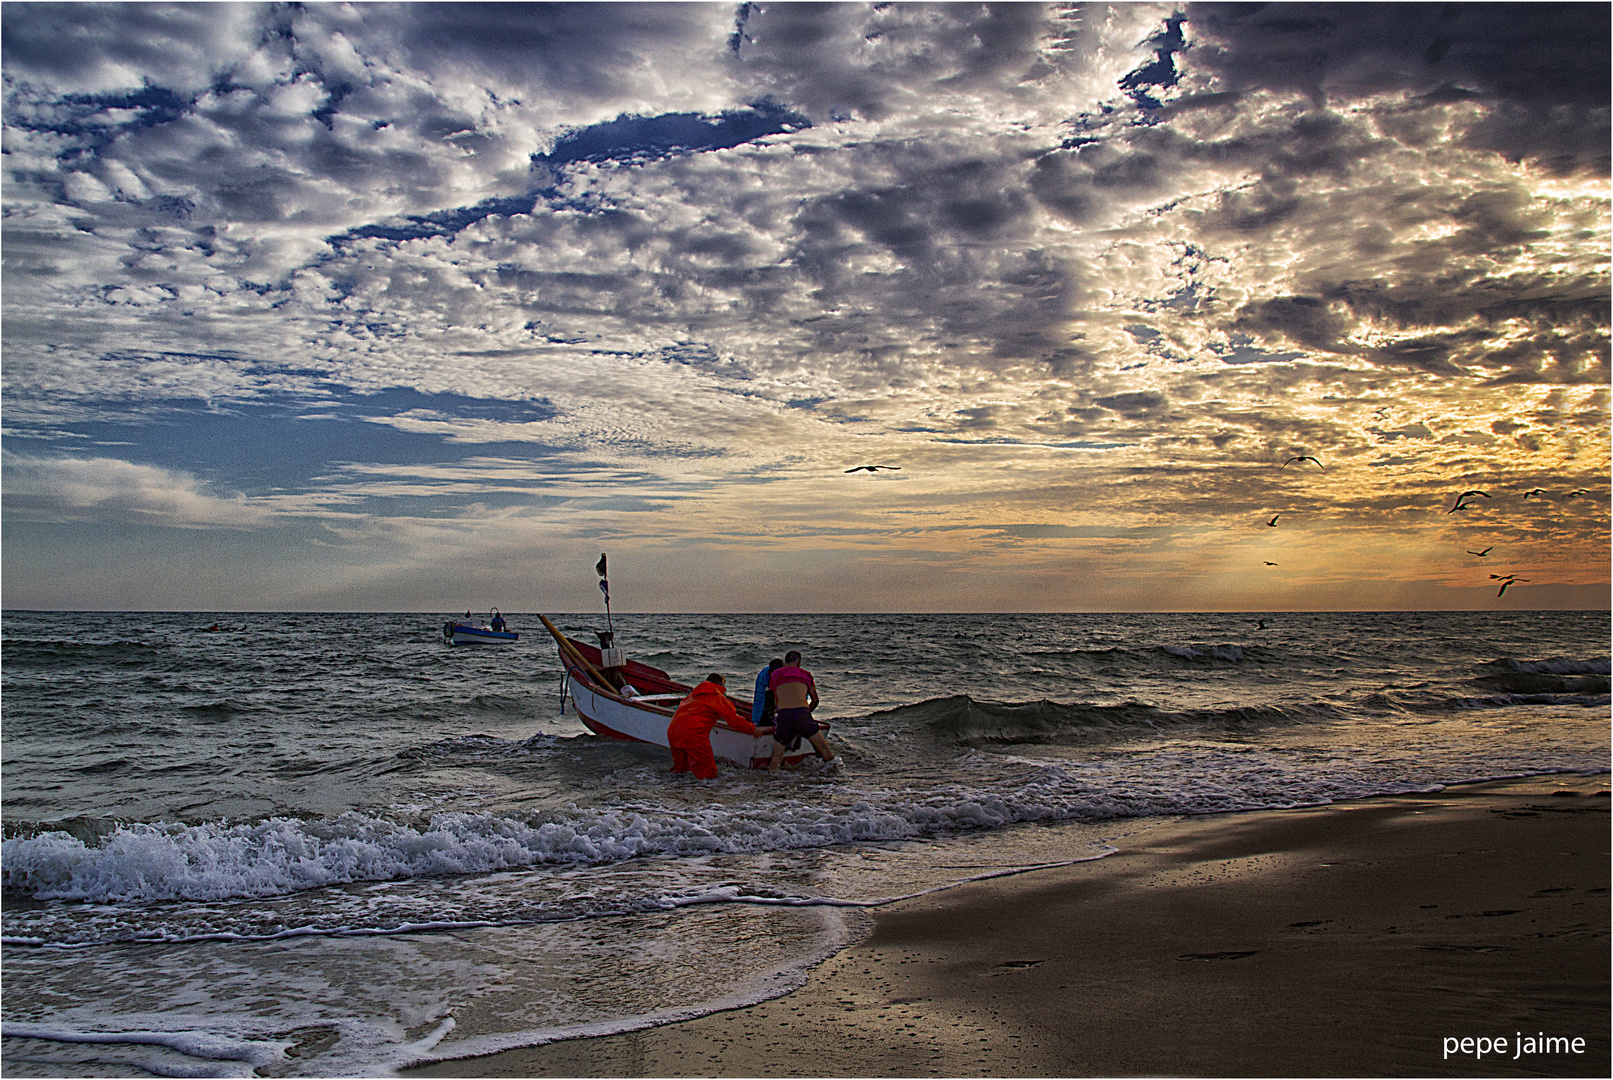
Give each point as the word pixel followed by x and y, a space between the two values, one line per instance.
pixel 689 734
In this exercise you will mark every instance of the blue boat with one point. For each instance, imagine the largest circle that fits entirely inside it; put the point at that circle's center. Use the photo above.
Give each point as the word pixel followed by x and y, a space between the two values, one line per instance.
pixel 465 632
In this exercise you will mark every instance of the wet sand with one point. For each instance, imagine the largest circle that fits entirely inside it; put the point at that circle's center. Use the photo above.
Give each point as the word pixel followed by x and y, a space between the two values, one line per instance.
pixel 1350 940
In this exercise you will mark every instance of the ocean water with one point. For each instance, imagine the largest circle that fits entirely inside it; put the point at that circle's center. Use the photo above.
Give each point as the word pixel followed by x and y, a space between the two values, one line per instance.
pixel 326 844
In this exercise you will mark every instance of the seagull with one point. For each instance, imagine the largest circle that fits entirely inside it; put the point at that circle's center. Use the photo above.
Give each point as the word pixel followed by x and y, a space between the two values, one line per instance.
pixel 1273 521
pixel 1483 553
pixel 1536 491
pixel 1460 505
pixel 1269 563
pixel 874 468
pixel 1509 581
pixel 1305 457
pixel 1577 492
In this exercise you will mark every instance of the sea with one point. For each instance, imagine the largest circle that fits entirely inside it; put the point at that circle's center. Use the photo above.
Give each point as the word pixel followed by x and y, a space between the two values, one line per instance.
pixel 335 845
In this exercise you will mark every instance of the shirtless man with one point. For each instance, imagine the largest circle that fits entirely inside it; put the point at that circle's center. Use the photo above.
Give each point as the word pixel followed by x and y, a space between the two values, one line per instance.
pixel 796 696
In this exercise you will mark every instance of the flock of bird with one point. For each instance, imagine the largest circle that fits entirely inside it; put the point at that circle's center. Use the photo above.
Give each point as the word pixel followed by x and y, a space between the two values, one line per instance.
pixel 1463 502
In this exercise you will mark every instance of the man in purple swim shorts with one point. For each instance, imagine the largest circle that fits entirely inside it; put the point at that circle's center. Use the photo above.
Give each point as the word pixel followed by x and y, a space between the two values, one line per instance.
pixel 796 696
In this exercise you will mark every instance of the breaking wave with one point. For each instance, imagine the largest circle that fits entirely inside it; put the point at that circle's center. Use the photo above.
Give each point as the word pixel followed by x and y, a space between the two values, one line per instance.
pixel 1558 675
pixel 967 721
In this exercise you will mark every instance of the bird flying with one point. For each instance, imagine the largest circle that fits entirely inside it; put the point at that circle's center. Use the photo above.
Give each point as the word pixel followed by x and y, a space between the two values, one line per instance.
pixel 1509 581
pixel 1305 457
pixel 1273 521
pixel 1536 491
pixel 1483 553
pixel 1460 505
pixel 1270 563
pixel 874 468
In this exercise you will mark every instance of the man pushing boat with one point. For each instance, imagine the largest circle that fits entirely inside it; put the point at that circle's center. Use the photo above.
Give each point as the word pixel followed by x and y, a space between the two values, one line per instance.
pixel 689 734
pixel 796 696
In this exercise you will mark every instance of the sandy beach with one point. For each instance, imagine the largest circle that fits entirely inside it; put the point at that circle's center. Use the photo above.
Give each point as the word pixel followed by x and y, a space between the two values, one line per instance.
pixel 1362 938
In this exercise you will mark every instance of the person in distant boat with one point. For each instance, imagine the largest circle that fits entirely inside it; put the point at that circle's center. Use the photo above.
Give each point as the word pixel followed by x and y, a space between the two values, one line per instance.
pixel 498 622
pixel 796 695
pixel 763 702
pixel 689 734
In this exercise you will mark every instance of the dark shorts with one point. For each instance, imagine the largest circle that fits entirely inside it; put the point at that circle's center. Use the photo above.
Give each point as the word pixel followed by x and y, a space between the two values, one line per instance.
pixel 792 725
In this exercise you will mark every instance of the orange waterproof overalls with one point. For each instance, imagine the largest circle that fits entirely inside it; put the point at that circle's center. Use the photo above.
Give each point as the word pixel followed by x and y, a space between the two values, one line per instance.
pixel 689 734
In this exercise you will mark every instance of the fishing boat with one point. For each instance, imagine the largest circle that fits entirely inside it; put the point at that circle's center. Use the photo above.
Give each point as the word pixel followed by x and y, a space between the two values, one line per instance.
pixel 463 632
pixel 623 699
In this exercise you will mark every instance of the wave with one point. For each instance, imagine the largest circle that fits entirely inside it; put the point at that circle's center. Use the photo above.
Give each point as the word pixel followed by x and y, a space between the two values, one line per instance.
pixel 279 855
pixel 967 721
pixel 103 861
pixel 498 703
pixel 477 744
pixel 1557 675
pixel 1157 657
pixel 1559 665
pixel 216 862
pixel 98 650
pixel 249 1055
pixel 1227 654
pixel 217 710
pixel 1503 701
pixel 89 828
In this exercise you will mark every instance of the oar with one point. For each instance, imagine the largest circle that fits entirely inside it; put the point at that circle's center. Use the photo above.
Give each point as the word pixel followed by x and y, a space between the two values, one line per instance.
pixel 571 650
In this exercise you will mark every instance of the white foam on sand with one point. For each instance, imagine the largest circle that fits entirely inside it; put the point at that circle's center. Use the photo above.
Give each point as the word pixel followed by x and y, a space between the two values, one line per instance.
pixel 390 1002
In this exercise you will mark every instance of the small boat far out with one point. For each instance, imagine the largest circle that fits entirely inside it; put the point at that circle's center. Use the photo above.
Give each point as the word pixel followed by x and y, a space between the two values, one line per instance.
pixel 464 632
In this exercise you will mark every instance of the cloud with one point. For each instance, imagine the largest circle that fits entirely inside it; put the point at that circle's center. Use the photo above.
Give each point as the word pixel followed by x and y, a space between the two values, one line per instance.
pixel 109 490
pixel 106 49
pixel 705 244
pixel 1548 63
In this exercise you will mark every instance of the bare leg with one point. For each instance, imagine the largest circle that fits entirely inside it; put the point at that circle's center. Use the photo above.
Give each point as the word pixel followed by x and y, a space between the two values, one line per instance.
pixel 778 757
pixel 821 745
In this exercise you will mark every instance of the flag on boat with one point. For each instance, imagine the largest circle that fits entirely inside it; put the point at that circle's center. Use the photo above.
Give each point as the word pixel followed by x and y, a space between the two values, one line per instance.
pixel 599 566
pixel 604 587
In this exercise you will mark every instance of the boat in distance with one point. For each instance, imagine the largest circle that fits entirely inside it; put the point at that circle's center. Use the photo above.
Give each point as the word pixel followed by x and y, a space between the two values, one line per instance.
pixel 465 632
pixel 623 699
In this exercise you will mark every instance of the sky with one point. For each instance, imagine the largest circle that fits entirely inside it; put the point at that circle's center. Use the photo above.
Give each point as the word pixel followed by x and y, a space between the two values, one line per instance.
pixel 421 307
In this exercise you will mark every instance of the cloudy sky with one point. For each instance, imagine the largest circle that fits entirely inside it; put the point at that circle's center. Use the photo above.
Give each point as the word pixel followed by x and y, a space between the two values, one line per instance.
pixel 421 307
